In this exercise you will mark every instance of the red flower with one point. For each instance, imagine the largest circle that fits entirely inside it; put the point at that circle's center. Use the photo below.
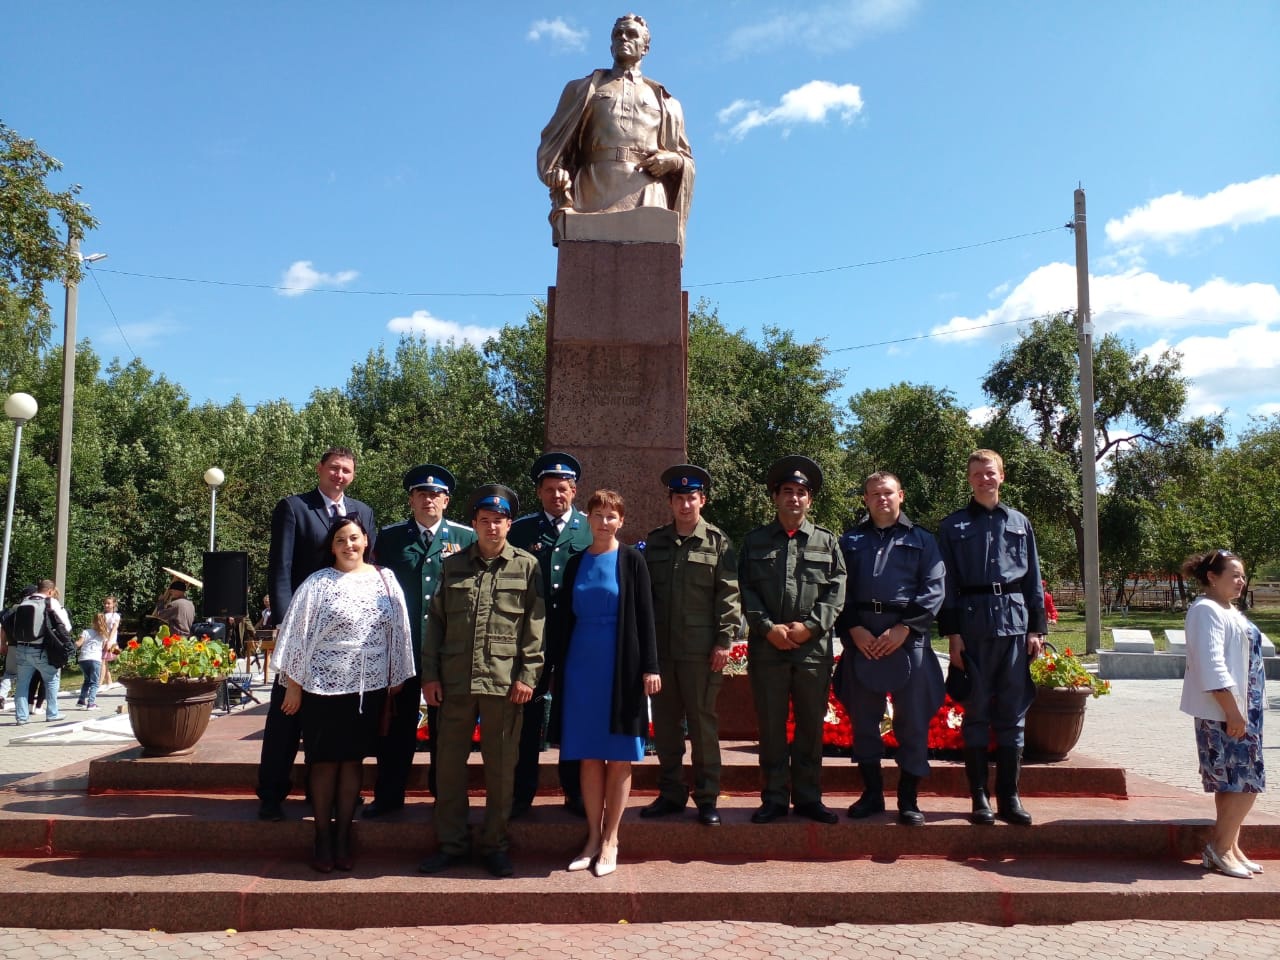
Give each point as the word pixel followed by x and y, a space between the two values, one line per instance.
pixel 168 641
pixel 133 644
pixel 218 662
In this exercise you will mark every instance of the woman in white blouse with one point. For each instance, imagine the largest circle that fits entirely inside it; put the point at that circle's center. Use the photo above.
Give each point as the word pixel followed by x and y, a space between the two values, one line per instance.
pixel 1224 689
pixel 343 646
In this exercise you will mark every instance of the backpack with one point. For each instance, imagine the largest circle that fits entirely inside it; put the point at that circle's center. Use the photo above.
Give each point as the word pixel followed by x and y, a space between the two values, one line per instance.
pixel 59 645
pixel 26 626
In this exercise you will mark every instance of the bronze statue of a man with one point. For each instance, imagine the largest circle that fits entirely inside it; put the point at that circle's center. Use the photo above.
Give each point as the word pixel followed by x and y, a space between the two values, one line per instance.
pixel 617 139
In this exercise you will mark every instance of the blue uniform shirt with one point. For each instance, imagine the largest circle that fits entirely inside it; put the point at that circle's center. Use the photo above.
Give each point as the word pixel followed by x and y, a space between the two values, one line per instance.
pixel 993 574
pixel 899 566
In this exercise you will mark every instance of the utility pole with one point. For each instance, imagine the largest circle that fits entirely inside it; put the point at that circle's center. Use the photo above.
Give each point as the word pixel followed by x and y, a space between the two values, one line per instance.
pixel 61 517
pixel 1088 463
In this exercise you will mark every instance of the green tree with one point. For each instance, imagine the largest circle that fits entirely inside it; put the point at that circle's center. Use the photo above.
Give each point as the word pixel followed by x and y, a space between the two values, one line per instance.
pixel 919 433
pixel 33 249
pixel 1034 387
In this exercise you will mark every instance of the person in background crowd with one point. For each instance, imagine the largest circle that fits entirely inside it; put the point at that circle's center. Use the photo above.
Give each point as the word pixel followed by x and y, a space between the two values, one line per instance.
pixel 174 610
pixel 793 581
pixel 605 654
pixel 1050 610
pixel 343 648
pixel 111 649
pixel 28 632
pixel 1225 690
pixel 6 644
pixel 994 619
pixel 90 646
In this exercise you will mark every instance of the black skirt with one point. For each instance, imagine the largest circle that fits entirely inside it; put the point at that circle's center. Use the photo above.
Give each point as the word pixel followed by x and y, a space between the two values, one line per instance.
pixel 335 728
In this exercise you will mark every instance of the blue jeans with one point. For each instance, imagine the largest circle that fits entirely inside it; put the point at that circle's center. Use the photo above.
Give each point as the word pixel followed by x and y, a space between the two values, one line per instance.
pixel 30 660
pixel 92 670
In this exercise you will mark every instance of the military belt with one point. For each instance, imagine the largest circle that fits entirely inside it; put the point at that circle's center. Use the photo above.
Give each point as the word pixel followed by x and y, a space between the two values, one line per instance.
pixel 879 606
pixel 620 154
pixel 996 587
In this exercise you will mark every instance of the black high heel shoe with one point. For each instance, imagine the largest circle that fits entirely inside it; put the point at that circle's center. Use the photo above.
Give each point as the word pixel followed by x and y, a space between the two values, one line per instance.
pixel 322 859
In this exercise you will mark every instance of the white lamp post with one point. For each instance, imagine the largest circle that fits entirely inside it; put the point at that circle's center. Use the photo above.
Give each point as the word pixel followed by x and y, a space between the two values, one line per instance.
pixel 20 407
pixel 213 477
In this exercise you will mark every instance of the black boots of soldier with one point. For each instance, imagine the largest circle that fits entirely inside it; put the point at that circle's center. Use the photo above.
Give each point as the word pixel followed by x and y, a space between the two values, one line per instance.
pixel 872 800
pixel 1008 806
pixel 975 767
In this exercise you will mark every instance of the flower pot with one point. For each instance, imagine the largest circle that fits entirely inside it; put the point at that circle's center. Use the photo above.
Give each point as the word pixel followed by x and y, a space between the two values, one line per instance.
pixel 1055 721
pixel 169 718
pixel 736 708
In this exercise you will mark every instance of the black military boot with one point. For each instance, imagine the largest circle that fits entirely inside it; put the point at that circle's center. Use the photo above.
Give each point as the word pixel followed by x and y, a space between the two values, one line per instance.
pixel 1009 807
pixel 975 766
pixel 872 800
pixel 908 806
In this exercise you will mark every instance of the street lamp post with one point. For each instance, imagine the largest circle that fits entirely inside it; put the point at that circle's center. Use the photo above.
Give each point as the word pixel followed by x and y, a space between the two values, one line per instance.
pixel 61 523
pixel 213 477
pixel 20 407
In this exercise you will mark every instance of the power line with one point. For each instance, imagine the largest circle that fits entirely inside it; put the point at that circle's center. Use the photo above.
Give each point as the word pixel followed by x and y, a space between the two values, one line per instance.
pixel 710 283
pixel 940 333
pixel 111 309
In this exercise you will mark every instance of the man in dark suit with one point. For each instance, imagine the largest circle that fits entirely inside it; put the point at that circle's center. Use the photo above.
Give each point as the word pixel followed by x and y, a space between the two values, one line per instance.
pixel 553 535
pixel 414 551
pixel 298 527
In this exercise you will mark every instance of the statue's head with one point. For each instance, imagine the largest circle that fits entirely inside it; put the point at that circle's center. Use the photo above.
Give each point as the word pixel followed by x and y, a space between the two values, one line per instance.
pixel 630 37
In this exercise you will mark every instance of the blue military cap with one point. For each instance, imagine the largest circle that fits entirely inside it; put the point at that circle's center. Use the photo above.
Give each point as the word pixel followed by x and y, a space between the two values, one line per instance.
pixel 429 476
pixel 795 469
pixel 686 478
pixel 555 464
pixel 495 497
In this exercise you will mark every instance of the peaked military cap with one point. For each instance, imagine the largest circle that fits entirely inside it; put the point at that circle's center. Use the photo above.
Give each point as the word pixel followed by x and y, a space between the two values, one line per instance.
pixel 555 464
pixel 495 497
pixel 795 469
pixel 429 476
pixel 686 478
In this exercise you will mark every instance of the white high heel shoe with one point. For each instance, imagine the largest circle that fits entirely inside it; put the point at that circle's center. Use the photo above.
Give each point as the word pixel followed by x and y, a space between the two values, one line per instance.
pixel 1211 861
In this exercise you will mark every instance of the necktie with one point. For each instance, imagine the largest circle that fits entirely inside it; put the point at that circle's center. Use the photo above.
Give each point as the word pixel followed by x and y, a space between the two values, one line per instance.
pixel 427 537
pixel 333 510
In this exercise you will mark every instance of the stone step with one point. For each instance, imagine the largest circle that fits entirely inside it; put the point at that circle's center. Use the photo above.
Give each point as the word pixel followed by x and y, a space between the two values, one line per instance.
pixel 226 761
pixel 262 893
pixel 176 827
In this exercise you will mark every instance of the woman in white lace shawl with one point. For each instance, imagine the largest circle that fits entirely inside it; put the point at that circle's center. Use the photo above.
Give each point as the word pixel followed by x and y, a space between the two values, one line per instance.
pixel 343 646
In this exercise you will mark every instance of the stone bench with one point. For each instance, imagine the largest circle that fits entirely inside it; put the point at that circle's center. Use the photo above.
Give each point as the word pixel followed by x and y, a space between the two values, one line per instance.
pixel 1176 641
pixel 1132 641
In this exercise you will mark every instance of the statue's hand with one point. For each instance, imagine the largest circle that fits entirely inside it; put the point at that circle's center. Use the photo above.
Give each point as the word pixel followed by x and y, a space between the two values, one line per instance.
pixel 559 179
pixel 661 162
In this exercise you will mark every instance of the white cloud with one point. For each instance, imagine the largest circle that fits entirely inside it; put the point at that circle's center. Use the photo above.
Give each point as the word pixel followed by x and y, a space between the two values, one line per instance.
pixel 302 276
pixel 811 103
pixel 1175 215
pixel 558 33
pixel 422 324
pixel 825 29
pixel 1266 410
pixel 1228 371
pixel 1131 300
pixel 979 416
pixel 138 334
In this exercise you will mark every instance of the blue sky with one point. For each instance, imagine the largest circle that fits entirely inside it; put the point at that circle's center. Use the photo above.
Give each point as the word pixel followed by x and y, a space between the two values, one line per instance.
pixel 386 150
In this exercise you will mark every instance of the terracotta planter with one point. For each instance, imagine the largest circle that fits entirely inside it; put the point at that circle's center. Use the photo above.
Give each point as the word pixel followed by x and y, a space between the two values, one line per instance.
pixel 169 718
pixel 737 710
pixel 1055 721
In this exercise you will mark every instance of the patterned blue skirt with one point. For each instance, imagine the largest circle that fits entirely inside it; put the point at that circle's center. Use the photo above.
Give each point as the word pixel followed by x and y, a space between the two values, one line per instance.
pixel 1228 764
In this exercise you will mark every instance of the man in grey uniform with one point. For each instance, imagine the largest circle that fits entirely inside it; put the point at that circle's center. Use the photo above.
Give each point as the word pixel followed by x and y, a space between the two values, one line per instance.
pixel 894 590
pixel 993 616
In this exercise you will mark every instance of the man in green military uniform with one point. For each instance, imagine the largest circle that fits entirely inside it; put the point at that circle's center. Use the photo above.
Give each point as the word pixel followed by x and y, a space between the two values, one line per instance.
pixel 792 576
pixel 414 550
pixel 481 659
pixel 553 535
pixel 698 614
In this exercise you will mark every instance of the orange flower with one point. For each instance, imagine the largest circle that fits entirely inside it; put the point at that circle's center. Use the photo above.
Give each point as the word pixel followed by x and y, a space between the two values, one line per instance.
pixel 217 662
pixel 133 644
pixel 168 641
pixel 1068 652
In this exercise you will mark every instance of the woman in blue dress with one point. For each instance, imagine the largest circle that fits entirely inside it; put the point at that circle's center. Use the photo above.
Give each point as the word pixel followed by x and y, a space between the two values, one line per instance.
pixel 1224 689
pixel 605 654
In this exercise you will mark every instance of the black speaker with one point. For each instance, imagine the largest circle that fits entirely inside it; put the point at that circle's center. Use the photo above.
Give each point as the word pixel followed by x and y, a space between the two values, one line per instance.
pixel 212 629
pixel 226 584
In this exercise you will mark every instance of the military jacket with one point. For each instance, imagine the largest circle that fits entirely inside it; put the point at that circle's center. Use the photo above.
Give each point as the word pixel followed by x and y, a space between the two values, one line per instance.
pixel 536 534
pixel 417 567
pixel 484 627
pixel 993 574
pixel 798 578
pixel 895 575
pixel 696 602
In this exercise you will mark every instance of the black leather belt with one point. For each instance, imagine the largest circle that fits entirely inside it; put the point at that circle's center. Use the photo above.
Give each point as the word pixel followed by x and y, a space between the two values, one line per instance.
pixel 879 606
pixel 997 588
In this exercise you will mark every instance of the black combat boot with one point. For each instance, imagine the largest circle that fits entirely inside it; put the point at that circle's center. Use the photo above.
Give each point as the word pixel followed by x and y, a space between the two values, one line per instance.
pixel 1008 766
pixel 872 800
pixel 908 807
pixel 975 765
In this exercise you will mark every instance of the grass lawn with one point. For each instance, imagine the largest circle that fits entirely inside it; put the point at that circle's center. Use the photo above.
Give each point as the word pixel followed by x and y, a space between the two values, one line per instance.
pixel 1069 630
